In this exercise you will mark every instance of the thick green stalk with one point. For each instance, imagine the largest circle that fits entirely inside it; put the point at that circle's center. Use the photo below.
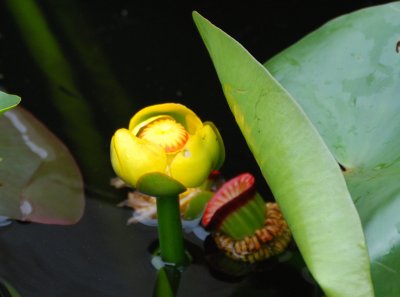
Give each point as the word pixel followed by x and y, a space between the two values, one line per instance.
pixel 170 230
pixel 166 190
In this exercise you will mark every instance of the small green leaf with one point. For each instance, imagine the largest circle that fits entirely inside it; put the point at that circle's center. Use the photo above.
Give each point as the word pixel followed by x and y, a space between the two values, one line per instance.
pixel 300 170
pixel 8 101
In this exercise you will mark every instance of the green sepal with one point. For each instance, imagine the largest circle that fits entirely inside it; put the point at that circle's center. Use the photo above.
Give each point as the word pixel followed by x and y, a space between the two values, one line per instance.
pixel 197 204
pixel 159 185
pixel 246 220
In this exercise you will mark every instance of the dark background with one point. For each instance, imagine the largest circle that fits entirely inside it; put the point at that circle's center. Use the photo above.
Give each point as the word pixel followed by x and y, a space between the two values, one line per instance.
pixel 124 55
pixel 152 53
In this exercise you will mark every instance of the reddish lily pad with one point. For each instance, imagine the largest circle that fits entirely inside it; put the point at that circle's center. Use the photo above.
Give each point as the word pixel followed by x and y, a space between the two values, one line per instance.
pixel 39 179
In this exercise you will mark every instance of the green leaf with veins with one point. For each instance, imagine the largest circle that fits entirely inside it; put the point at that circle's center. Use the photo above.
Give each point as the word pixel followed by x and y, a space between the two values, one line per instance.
pixel 298 166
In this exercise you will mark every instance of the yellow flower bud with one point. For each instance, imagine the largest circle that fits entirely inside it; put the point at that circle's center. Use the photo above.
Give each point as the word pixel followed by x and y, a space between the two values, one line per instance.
pixel 170 139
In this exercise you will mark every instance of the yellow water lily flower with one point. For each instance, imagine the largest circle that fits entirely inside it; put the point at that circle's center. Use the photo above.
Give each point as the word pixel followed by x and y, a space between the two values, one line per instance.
pixel 170 139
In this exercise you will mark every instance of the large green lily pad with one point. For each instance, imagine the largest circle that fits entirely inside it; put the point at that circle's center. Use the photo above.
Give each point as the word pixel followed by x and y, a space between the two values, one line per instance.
pixel 39 179
pixel 346 76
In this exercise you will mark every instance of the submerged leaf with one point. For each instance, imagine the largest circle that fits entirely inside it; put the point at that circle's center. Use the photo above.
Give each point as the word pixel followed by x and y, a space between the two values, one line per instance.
pixel 40 181
pixel 301 172
pixel 346 76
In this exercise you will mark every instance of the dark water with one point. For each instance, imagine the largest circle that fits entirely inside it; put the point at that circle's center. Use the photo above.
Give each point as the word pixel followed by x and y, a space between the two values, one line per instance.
pixel 99 63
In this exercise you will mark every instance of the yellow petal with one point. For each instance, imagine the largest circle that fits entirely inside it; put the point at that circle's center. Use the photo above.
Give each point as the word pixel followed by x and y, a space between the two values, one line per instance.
pixel 214 144
pixel 132 157
pixel 179 112
pixel 200 156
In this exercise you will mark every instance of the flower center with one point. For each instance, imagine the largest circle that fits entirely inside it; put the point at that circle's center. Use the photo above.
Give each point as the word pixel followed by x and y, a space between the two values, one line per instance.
pixel 167 133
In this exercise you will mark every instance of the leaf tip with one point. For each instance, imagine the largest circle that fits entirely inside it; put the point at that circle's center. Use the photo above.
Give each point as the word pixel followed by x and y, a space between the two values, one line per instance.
pixel 196 16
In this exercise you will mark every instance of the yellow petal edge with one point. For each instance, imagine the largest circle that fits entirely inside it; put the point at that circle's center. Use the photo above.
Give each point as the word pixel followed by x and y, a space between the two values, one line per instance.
pixel 179 112
pixel 132 157
pixel 201 155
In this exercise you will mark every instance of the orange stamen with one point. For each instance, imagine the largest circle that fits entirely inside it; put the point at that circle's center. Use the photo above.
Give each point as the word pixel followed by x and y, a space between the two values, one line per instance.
pixel 167 133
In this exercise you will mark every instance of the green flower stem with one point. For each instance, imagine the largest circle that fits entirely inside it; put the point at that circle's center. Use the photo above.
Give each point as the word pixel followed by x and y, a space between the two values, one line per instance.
pixel 166 190
pixel 170 230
